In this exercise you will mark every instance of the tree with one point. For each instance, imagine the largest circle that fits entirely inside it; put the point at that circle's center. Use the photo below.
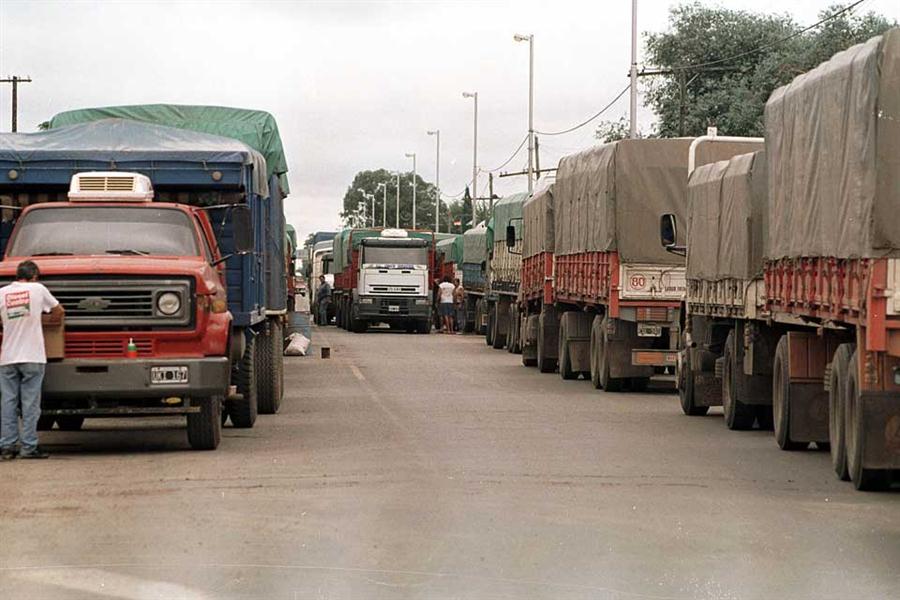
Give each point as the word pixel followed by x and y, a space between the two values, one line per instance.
pixel 613 131
pixel 356 211
pixel 689 94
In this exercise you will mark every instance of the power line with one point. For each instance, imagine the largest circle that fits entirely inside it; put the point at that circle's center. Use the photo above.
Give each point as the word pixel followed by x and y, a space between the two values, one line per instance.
pixel 583 123
pixel 772 44
pixel 509 160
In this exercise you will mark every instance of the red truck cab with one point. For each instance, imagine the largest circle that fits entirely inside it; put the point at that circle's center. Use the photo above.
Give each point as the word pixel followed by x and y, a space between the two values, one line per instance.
pixel 130 272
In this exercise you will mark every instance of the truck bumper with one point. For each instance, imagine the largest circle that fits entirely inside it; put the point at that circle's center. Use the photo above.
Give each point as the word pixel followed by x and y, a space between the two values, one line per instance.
pixel 388 308
pixel 123 379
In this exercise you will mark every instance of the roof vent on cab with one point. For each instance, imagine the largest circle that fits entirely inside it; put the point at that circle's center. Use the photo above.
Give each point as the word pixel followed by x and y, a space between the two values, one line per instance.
pixel 95 186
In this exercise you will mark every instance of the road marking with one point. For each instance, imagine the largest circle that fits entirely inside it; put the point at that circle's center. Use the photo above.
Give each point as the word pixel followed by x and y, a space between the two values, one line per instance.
pixel 357 373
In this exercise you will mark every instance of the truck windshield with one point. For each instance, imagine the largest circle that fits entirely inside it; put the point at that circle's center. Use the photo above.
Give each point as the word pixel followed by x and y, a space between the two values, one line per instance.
pixel 83 230
pixel 380 255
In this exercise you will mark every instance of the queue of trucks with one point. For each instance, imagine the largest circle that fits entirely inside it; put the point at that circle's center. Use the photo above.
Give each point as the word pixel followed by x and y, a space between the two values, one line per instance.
pixel 161 231
pixel 762 273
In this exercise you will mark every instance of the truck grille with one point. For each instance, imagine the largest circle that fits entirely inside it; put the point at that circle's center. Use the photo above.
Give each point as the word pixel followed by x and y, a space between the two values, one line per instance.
pixel 109 303
pixel 106 348
pixel 401 303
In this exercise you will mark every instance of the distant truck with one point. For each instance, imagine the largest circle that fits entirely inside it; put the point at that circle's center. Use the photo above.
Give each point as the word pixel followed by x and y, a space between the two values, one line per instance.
pixel 474 277
pixel 536 288
pixel 612 310
pixel 793 258
pixel 383 276
pixel 222 181
pixel 321 259
pixel 504 271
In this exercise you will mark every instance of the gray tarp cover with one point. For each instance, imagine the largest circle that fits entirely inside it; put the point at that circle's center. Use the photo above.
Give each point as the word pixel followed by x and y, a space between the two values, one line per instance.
pixel 833 147
pixel 611 197
pixel 508 211
pixel 121 140
pixel 475 244
pixel 538 219
pixel 726 222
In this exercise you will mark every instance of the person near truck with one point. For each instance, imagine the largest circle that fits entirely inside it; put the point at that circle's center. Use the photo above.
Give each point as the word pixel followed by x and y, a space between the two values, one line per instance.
pixel 445 304
pixel 23 359
pixel 459 300
pixel 323 299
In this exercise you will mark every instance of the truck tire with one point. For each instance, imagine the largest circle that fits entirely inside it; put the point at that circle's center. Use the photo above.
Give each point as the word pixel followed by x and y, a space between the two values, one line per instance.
pixel 69 422
pixel 468 326
pixel 686 395
pixel 855 434
pixel 513 329
pixel 423 327
pixel 243 413
pixel 270 370
pixel 595 347
pixel 607 382
pixel 499 338
pixel 738 415
pixel 565 363
pixel 204 429
pixel 358 325
pixel 489 330
pixel 781 397
pixel 546 328
pixel 45 423
pixel 529 350
pixel 837 384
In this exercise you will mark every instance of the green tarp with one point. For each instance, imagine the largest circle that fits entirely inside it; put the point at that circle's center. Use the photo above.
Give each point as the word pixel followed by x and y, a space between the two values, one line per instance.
pixel 341 243
pixel 475 245
pixel 451 248
pixel 255 128
pixel 508 211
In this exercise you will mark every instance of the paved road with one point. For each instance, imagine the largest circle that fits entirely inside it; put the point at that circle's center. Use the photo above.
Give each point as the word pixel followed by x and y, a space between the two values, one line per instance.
pixel 433 467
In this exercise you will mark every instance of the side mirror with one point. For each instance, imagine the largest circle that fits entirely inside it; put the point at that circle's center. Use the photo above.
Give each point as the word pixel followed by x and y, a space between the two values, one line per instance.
pixel 510 236
pixel 242 225
pixel 668 230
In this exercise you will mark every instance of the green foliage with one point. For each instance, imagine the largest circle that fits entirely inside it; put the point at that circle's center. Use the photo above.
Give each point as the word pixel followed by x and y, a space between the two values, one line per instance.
pixel 354 213
pixel 613 131
pixel 731 95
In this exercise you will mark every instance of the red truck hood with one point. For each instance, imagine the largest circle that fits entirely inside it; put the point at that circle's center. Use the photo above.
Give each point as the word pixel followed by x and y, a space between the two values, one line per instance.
pixel 160 266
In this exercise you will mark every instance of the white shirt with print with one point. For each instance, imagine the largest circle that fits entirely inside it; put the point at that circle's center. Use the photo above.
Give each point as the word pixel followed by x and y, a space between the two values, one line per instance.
pixel 446 289
pixel 21 306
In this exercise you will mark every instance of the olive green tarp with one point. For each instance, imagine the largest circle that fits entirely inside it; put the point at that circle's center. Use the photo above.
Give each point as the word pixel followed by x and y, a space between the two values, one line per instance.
pixel 537 216
pixel 341 243
pixel 727 202
pixel 475 244
pixel 451 248
pixel 255 128
pixel 833 153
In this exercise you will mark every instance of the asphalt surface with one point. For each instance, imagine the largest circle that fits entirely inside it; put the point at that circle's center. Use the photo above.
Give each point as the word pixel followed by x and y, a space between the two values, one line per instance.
pixel 412 466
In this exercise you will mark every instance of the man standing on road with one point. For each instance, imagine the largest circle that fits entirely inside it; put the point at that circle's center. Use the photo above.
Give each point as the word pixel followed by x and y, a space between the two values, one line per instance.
pixel 23 359
pixel 323 300
pixel 459 299
pixel 445 302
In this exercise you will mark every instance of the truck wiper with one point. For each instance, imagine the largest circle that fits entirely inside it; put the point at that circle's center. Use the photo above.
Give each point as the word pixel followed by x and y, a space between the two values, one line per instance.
pixel 52 254
pixel 130 251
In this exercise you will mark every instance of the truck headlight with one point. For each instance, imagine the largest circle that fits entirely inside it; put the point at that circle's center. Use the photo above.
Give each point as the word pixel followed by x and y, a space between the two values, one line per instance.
pixel 168 303
pixel 421 301
pixel 366 300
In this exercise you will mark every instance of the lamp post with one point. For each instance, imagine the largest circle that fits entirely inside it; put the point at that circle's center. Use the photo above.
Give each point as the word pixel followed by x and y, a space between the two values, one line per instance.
pixel 397 223
pixel 474 96
pixel 437 181
pixel 383 186
pixel 530 40
pixel 632 74
pixel 412 155
pixel 365 197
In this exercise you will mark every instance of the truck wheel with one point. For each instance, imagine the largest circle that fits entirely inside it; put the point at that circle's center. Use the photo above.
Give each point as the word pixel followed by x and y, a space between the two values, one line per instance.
pixel 358 325
pixel 837 384
pixel 468 325
pixel 204 429
pixel 69 422
pixel 764 418
pixel 608 383
pixel 45 423
pixel 511 336
pixel 270 370
pixel 243 413
pixel 545 362
pixel 423 327
pixel 489 331
pixel 855 434
pixel 738 416
pixel 686 389
pixel 499 338
pixel 781 397
pixel 565 363
pixel 529 350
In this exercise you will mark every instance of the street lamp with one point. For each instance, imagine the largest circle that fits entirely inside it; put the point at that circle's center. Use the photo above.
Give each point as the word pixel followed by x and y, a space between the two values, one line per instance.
pixel 412 155
pixel 530 40
pixel 474 96
pixel 437 181
pixel 383 185
pixel 365 196
pixel 397 223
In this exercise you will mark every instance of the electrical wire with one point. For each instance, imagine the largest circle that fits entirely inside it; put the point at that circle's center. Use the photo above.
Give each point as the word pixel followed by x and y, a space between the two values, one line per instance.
pixel 583 123
pixel 509 160
pixel 772 44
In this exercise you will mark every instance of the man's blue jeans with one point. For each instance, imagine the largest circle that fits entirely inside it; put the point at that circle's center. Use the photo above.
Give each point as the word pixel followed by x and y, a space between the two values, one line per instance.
pixel 323 312
pixel 20 382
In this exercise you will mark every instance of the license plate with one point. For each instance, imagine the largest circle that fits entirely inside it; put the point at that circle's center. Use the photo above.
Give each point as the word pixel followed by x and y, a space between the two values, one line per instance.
pixel 393 308
pixel 645 330
pixel 169 375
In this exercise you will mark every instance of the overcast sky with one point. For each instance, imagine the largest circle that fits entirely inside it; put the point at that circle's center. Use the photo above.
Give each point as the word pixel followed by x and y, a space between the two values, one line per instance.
pixel 353 85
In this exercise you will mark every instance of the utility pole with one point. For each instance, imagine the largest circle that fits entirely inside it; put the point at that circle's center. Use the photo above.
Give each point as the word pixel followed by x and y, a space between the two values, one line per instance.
pixel 412 155
pixel 632 130
pixel 490 193
pixel 474 96
pixel 383 186
pixel 397 223
pixel 530 40
pixel 437 181
pixel 15 80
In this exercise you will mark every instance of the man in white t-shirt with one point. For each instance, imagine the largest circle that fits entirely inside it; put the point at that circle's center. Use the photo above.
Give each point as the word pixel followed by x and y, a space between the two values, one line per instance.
pixel 445 304
pixel 23 359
